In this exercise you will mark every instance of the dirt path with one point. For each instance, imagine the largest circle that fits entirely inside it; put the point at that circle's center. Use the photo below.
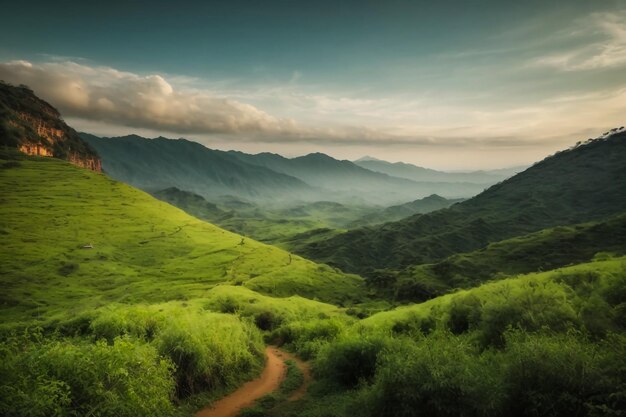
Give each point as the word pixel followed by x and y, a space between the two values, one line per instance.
pixel 269 381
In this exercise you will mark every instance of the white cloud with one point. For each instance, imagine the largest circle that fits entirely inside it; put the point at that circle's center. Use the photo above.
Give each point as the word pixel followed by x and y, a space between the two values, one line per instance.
pixel 603 38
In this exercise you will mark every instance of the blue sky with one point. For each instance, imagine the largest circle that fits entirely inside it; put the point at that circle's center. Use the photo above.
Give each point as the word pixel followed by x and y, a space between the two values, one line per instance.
pixel 447 84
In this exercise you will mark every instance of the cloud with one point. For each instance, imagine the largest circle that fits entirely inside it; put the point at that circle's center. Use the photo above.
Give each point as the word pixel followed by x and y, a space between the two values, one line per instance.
pixel 603 38
pixel 106 94
pixel 101 96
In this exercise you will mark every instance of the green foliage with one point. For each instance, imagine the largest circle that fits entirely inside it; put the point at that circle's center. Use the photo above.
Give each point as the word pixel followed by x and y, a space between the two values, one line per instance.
pixel 350 359
pixel 216 351
pixel 308 337
pixel 73 377
pixel 544 250
pixel 563 375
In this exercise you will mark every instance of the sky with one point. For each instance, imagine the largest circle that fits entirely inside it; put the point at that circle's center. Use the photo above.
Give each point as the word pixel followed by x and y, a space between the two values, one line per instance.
pixel 448 84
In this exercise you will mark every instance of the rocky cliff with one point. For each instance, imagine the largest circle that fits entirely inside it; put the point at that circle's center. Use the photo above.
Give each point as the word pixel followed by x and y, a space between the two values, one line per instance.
pixel 36 128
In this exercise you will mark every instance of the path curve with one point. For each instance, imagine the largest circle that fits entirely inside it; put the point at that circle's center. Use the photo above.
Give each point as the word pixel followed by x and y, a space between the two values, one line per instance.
pixel 269 381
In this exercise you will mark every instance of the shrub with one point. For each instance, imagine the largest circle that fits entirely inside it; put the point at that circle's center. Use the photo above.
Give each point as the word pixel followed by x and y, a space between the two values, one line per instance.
pixel 74 377
pixel 465 312
pixel 350 360
pixel 211 351
pixel 307 337
pixel 441 375
pixel 564 375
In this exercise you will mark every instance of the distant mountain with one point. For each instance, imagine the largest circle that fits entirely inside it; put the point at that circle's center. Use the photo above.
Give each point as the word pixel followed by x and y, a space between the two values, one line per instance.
pixel 581 184
pixel 395 213
pixel 350 179
pixel 415 173
pixel 160 163
pixel 36 128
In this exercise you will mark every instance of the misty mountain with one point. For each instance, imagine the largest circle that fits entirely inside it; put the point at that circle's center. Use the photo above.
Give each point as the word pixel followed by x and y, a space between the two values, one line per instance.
pixel 583 183
pixel 360 184
pixel 416 173
pixel 160 163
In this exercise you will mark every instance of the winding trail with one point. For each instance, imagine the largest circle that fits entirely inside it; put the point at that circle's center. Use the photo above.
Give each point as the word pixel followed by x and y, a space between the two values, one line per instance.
pixel 269 381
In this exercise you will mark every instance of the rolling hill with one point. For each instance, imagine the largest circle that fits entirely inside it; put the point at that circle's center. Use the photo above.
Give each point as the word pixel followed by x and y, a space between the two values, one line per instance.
pixel 72 236
pixel 581 184
pixel 540 251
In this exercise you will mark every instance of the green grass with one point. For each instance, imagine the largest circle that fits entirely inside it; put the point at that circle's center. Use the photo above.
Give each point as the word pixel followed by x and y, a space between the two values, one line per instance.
pixel 143 250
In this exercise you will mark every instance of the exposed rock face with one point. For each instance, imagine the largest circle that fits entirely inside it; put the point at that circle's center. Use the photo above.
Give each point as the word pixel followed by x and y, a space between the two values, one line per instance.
pixel 36 128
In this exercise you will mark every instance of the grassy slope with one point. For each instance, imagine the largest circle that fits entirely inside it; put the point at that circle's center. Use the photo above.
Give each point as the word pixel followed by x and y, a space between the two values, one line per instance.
pixel 590 278
pixel 143 250
pixel 573 186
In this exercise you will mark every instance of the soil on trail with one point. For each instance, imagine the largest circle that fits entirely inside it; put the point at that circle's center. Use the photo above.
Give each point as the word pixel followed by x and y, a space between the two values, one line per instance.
pixel 269 381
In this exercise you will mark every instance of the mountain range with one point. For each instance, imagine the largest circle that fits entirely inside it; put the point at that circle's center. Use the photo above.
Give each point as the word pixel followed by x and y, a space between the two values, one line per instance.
pixel 415 173
pixel 160 163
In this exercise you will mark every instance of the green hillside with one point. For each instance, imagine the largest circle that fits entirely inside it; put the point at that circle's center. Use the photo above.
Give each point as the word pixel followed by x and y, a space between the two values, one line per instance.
pixel 540 251
pixel 143 249
pixel 582 184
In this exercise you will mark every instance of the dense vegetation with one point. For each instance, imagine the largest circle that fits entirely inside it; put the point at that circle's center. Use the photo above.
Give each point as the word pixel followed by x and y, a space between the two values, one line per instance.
pixel 133 321
pixel 549 344
pixel 574 186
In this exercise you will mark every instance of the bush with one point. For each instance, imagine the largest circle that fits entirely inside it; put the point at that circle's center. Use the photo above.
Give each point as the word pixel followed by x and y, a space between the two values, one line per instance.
pixel 564 375
pixel 308 337
pixel 350 360
pixel 212 351
pixel 465 312
pixel 74 377
pixel 267 320
pixel 441 375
